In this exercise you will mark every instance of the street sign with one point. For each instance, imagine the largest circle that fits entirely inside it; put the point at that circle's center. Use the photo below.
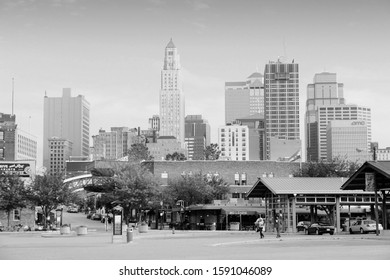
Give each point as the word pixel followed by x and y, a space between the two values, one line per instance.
pixel 117 220
pixel 19 169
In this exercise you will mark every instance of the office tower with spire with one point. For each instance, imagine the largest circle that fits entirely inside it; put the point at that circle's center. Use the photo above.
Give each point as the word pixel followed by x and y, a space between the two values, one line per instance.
pixel 281 111
pixel 324 91
pixel 66 118
pixel 172 103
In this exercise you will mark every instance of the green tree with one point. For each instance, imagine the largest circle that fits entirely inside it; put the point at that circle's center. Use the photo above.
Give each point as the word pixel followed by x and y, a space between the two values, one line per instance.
pixel 48 191
pixel 212 152
pixel 338 167
pixel 138 152
pixel 13 195
pixel 137 189
pixel 195 189
pixel 175 156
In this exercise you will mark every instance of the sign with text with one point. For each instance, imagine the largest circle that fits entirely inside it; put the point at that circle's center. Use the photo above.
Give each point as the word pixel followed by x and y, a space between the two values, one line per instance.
pixel 18 169
pixel 117 227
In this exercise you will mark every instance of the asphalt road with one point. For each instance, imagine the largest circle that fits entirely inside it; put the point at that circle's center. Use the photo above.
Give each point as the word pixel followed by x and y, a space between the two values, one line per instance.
pixel 188 245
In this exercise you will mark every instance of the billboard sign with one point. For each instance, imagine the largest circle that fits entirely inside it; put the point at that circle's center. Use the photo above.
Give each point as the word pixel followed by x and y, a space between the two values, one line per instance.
pixel 15 168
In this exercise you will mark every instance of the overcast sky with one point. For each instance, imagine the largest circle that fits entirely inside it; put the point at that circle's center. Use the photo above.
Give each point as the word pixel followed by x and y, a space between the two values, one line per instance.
pixel 112 53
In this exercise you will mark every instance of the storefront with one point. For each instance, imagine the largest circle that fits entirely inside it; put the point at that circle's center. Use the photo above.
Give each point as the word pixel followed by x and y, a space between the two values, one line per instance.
pixel 216 217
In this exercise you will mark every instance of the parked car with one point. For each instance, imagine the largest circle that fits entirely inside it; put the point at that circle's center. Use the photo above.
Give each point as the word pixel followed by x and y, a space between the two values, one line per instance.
pixel 89 215
pixel 303 225
pixel 320 228
pixel 72 210
pixel 96 216
pixel 364 226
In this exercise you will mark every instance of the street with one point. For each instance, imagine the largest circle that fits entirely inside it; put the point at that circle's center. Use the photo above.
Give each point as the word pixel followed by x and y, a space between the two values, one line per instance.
pixel 188 245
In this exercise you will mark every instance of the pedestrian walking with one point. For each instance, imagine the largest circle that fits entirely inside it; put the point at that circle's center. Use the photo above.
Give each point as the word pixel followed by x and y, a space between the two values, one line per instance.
pixel 260 226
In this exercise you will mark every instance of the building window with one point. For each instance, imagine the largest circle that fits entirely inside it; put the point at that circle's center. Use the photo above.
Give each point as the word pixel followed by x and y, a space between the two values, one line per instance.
pixel 1 153
pixel 16 215
pixel 1 135
pixel 235 195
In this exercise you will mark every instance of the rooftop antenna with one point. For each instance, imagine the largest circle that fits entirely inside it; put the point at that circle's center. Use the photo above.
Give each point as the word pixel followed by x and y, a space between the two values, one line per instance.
pixel 12 96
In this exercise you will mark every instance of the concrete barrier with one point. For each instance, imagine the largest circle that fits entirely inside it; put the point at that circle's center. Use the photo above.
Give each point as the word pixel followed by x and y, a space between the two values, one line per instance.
pixel 65 230
pixel 82 230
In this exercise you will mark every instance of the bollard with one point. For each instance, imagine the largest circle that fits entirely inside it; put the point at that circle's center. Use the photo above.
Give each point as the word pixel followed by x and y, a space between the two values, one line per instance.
pixel 129 234
pixel 173 229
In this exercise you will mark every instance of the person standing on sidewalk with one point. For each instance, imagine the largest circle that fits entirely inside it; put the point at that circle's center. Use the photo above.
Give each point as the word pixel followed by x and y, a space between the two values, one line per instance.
pixel 260 226
pixel 278 224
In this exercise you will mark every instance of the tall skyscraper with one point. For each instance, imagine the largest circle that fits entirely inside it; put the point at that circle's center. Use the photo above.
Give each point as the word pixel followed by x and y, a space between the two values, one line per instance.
pixel 281 98
pixel 171 96
pixel 324 91
pixel 347 139
pixel 326 114
pixel 67 118
pixel 244 98
pixel 197 136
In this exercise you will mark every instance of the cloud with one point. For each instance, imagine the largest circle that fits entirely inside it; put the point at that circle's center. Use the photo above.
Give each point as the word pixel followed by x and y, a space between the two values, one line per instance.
pixel 199 5
pixel 200 27
pixel 157 2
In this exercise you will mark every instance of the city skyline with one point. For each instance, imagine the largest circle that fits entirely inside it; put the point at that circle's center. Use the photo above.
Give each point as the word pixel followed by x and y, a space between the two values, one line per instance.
pixel 111 52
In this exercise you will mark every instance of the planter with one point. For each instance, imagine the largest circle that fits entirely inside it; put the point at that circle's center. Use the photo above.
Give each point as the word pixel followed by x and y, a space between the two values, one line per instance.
pixel 234 226
pixel 82 230
pixel 142 228
pixel 65 230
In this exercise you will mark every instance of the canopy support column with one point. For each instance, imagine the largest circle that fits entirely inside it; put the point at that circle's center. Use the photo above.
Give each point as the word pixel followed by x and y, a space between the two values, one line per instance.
pixel 338 224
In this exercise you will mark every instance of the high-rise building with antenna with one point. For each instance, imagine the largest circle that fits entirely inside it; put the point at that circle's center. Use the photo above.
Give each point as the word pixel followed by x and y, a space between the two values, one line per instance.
pixel 281 111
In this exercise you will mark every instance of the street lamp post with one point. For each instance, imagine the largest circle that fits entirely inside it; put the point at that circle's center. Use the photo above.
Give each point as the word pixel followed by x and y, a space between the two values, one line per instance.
pixel 59 216
pixel 161 215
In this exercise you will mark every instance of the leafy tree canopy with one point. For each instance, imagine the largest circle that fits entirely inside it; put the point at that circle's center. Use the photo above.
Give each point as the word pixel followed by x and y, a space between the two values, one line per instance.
pixel 195 189
pixel 137 188
pixel 212 152
pixel 338 167
pixel 48 191
pixel 138 152
pixel 175 156
pixel 13 194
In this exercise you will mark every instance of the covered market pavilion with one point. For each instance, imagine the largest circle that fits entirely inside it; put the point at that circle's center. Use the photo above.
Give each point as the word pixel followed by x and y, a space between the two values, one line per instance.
pixel 285 195
pixel 373 176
